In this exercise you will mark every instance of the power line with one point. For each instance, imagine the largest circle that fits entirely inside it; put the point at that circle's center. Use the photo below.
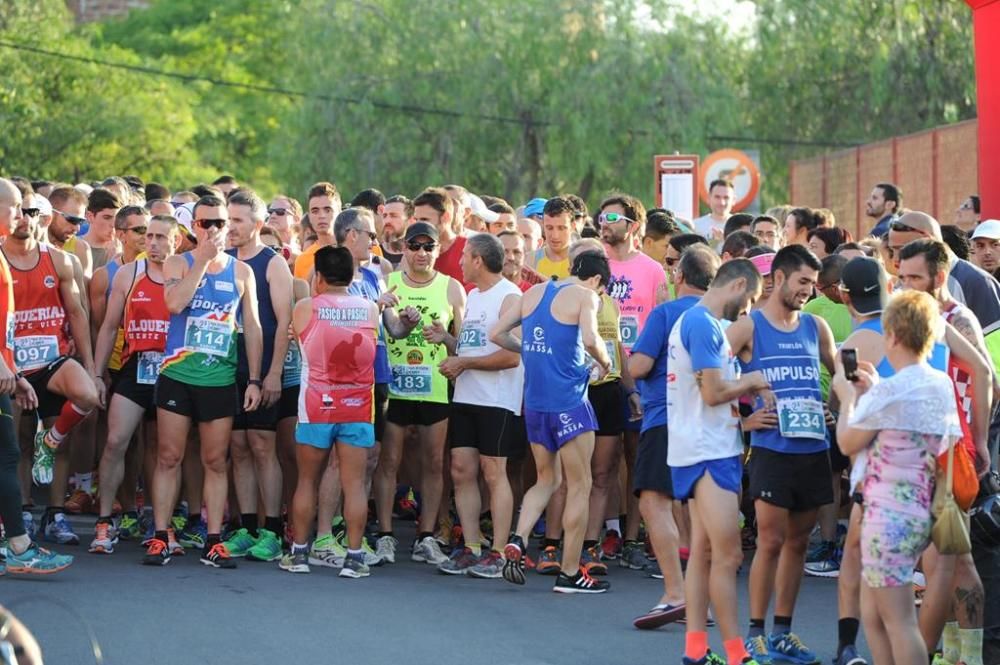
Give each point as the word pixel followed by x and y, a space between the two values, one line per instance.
pixel 385 106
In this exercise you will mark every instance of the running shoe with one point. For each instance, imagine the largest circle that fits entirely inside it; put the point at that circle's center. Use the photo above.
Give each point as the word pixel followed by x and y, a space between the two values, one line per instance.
pixel 239 543
pixel 29 523
pixel 218 556
pixel 849 656
pixel 406 506
pixel 267 547
pixel 539 530
pixel 193 536
pixel 490 567
pixel 660 615
pixel 654 571
pixel 581 583
pixel 590 560
pixel 36 561
pixel 44 460
pixel 327 552
pixel 175 548
pixel 634 558
pixel 550 561
pixel 128 527
pixel 79 502
pixel 372 559
pixel 821 551
pixel 157 553
pixel 828 567
pixel 354 569
pixel 294 562
pixel 513 561
pixel 446 525
pixel 757 648
pixel 789 648
pixel 460 562
pixel 179 519
pixel 385 548
pixel 710 658
pixel 105 539
pixel 611 546
pixel 58 530
pixel 428 551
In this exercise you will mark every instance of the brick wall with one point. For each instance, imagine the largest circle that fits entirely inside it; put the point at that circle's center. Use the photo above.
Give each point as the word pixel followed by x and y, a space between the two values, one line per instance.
pixel 97 10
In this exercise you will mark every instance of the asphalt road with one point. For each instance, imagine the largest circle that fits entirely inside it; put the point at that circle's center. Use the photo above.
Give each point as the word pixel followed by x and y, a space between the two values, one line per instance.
pixel 404 613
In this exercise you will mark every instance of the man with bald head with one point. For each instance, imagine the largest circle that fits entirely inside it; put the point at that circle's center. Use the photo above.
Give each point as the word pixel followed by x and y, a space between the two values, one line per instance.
pixel 968 284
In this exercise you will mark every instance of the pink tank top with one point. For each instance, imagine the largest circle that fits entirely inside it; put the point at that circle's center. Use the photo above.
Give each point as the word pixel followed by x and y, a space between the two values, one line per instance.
pixel 338 361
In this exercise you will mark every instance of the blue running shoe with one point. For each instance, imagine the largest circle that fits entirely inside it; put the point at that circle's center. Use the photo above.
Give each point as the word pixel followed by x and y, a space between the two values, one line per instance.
pixel 36 561
pixel 757 648
pixel 193 536
pixel 58 530
pixel 539 530
pixel 789 648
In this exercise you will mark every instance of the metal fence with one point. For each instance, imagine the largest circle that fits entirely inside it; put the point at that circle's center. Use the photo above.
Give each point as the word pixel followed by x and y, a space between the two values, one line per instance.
pixel 935 169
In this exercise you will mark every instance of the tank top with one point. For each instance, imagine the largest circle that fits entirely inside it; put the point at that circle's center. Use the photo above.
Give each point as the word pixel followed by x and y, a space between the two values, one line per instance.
pixel 7 314
pixel 265 312
pixel 608 326
pixel 449 262
pixel 502 388
pixel 556 366
pixel 938 358
pixel 116 361
pixel 99 256
pixel 201 339
pixel 291 369
pixel 40 319
pixel 145 325
pixel 338 359
pixel 790 362
pixel 369 287
pixel 413 360
pixel 550 269
pixel 70 244
pixel 961 378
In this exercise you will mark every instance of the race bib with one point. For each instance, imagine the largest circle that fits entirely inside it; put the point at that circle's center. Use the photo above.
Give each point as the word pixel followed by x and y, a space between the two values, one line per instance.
pixel 472 337
pixel 293 360
pixel 208 336
pixel 801 418
pixel 35 351
pixel 411 381
pixel 609 344
pixel 628 328
pixel 148 367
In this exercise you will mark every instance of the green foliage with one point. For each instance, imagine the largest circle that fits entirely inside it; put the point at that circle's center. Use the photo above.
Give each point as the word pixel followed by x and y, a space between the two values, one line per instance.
pixel 516 99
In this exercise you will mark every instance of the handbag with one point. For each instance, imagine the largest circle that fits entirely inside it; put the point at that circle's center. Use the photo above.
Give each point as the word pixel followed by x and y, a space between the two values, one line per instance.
pixel 950 530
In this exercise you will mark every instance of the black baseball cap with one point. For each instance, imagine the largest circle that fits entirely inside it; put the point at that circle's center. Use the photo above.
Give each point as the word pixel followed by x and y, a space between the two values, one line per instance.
pixel 864 281
pixel 417 229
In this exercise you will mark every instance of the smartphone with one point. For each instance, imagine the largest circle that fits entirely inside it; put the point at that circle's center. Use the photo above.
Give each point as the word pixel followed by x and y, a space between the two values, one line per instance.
pixel 850 359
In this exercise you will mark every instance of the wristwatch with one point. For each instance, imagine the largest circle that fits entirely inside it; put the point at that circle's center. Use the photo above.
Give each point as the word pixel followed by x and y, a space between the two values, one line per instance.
pixel 256 382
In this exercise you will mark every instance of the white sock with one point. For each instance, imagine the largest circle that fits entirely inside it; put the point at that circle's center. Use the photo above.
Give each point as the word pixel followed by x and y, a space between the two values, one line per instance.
pixel 951 642
pixel 613 525
pixel 972 646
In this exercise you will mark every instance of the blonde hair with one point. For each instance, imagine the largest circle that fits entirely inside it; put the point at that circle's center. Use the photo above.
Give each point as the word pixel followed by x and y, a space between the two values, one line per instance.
pixel 912 317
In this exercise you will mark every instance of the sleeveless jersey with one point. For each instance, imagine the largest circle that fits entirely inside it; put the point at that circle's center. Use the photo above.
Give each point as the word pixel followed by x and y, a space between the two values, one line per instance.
pixel 40 320
pixel 556 366
pixel 633 285
pixel 938 358
pixel 550 269
pixel 414 361
pixel 116 361
pixel 265 313
pixel 201 340
pixel 369 287
pixel 7 314
pixel 291 369
pixel 608 327
pixel 145 324
pixel 502 388
pixel 790 362
pixel 338 359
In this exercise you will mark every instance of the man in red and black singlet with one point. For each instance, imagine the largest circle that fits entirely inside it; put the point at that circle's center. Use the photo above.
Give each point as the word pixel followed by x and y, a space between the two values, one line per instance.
pixel 23 556
pixel 136 304
pixel 49 313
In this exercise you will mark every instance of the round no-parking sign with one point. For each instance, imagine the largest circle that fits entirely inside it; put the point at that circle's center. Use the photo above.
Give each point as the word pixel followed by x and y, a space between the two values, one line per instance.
pixel 736 167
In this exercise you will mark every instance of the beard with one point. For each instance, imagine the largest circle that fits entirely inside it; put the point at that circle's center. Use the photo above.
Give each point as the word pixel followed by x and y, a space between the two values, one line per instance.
pixel 732 310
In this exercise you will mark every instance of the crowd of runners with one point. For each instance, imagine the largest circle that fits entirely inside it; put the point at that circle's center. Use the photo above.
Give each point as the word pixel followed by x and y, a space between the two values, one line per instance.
pixel 279 382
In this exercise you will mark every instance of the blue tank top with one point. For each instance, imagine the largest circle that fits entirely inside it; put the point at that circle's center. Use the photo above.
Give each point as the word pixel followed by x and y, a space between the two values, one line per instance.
pixel 790 362
pixel 265 313
pixel 556 367
pixel 201 340
pixel 112 267
pixel 369 287
pixel 291 370
pixel 938 359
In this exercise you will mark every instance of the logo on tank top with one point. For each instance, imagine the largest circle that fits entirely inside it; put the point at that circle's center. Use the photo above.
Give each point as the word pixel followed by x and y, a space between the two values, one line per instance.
pixel 537 342
pixel 49 281
pixel 414 357
pixel 327 401
pixel 620 288
pixel 224 286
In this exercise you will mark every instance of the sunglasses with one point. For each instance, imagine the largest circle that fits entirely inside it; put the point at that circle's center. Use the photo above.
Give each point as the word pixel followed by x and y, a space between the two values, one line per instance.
pixel 671 262
pixel 280 212
pixel 612 218
pixel 209 223
pixel 72 219
pixel 30 212
pixel 138 230
pixel 373 236
pixel 417 246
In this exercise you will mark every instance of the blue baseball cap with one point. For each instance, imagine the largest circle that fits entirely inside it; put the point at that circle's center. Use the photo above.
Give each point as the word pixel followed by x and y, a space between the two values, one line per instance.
pixel 534 207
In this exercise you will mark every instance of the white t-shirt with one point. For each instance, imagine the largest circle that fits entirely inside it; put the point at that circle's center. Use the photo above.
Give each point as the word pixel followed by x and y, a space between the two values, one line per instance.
pixel 502 388
pixel 703 226
pixel 698 432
